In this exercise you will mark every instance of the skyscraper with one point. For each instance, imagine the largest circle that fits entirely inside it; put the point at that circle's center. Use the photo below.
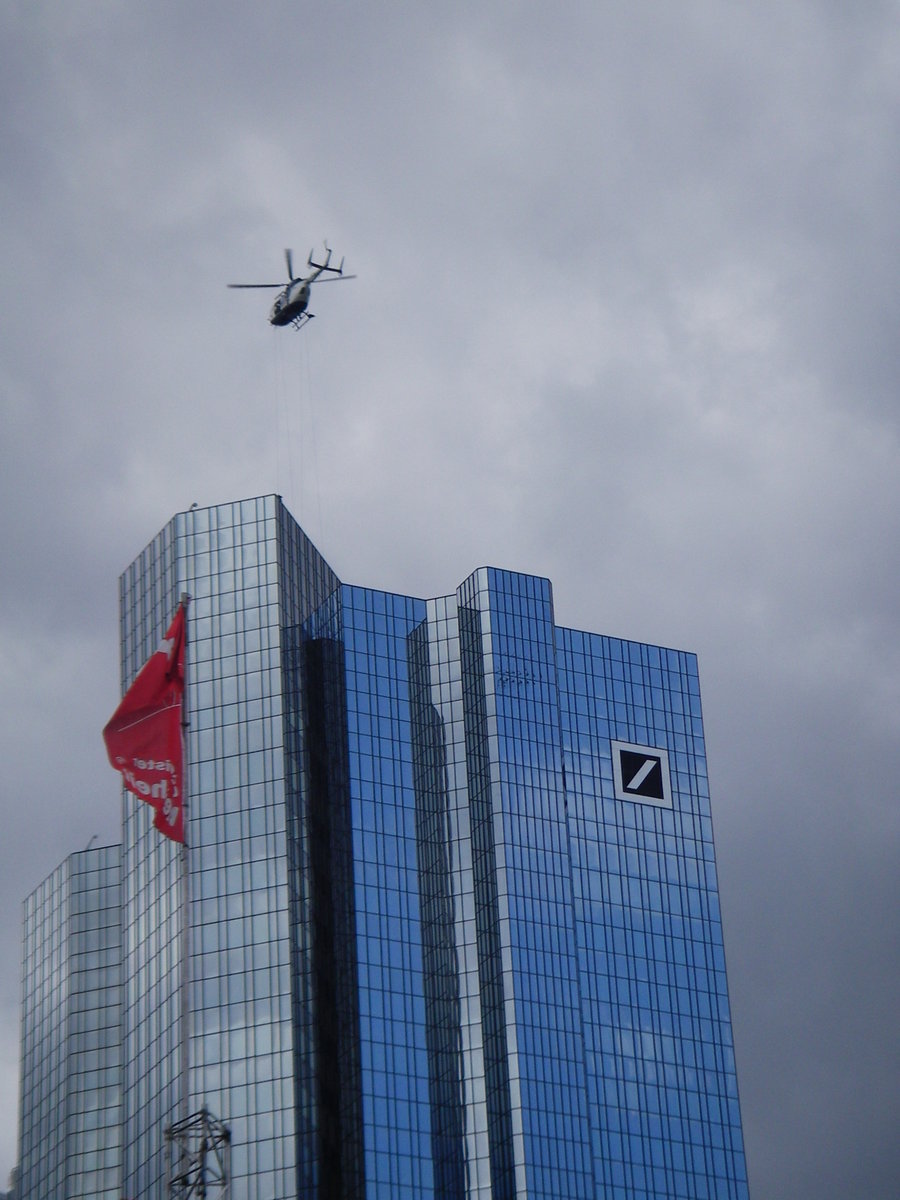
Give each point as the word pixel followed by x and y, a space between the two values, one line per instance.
pixel 454 917
pixel 253 578
pixel 70 1125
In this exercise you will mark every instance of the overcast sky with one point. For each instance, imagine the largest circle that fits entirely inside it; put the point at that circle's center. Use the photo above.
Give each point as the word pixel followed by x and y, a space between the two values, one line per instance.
pixel 626 315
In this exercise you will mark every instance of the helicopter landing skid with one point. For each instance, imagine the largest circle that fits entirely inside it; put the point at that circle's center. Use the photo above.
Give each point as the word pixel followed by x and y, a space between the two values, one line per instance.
pixel 299 322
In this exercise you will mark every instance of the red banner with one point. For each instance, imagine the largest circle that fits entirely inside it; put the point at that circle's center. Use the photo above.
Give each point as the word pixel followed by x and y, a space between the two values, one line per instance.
pixel 143 736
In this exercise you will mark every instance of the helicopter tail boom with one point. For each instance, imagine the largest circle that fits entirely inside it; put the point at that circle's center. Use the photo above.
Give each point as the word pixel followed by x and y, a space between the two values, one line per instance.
pixel 325 266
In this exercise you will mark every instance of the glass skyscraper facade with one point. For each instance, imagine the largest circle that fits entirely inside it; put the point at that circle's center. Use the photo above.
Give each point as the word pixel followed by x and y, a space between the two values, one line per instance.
pixel 70 1105
pixel 454 916
pixel 252 576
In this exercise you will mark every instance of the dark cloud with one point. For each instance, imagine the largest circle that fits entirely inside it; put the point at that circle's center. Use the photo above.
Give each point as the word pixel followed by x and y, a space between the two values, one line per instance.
pixel 626 315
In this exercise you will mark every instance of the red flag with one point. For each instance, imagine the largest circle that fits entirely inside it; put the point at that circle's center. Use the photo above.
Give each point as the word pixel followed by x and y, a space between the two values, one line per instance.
pixel 143 736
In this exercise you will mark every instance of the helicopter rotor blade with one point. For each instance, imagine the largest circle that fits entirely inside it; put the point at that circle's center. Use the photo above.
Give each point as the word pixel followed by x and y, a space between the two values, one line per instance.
pixel 332 279
pixel 290 267
pixel 254 285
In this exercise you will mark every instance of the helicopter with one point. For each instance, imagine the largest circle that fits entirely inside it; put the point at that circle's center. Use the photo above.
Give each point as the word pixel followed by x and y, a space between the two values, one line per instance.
pixel 290 304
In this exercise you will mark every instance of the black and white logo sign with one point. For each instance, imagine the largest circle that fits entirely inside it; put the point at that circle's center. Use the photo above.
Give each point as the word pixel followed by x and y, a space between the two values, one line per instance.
pixel 641 773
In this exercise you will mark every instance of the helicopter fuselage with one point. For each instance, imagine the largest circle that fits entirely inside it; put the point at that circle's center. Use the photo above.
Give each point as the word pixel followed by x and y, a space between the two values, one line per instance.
pixel 290 303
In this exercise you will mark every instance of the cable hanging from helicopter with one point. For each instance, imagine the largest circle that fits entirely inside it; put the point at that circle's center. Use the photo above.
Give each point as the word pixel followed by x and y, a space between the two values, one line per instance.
pixel 290 307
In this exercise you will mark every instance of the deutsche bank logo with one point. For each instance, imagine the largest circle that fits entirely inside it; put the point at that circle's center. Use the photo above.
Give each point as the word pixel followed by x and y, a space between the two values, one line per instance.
pixel 641 773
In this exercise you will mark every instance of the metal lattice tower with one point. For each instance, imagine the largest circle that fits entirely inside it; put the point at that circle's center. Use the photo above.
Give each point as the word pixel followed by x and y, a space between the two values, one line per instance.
pixel 199 1157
